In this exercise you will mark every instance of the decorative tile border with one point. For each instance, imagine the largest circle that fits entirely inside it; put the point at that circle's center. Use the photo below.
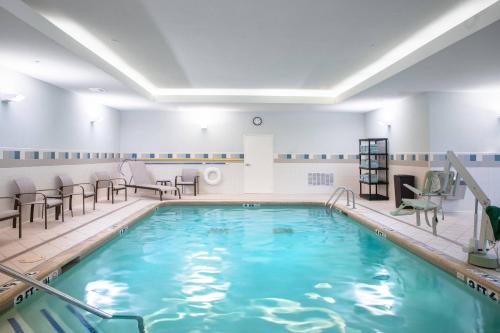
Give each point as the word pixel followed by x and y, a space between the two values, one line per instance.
pixel 315 158
pixel 490 160
pixel 10 157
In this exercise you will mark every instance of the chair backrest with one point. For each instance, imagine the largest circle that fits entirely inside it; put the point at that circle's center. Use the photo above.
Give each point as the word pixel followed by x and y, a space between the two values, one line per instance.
pixel 188 175
pixel 65 180
pixel 139 172
pixel 104 178
pixel 25 185
pixel 438 182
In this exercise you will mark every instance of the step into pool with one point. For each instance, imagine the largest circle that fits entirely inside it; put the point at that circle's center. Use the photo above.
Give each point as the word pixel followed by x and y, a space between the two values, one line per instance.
pixel 256 269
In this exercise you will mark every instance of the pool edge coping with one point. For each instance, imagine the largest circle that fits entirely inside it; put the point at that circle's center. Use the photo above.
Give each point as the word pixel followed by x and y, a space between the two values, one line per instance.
pixel 460 270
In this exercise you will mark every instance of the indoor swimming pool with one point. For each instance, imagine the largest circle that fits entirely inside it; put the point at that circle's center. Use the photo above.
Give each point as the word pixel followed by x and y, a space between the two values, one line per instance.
pixel 229 268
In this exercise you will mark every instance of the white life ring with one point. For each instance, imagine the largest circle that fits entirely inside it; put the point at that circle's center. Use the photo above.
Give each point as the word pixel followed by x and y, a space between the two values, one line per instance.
pixel 212 179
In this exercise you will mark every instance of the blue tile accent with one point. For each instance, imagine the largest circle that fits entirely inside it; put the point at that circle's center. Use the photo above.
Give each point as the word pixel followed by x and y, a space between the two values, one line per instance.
pixel 36 155
pixel 472 157
pixel 15 325
pixel 81 319
pixel 497 157
pixel 323 156
pixel 341 156
pixel 306 156
pixel 205 155
pixel 55 325
pixel 151 155
pixel 134 156
pixel 426 157
pixel 78 156
pixel 169 155
pixel 17 155
pixel 87 156
pixel 52 155
pixel 188 155
pixel 288 156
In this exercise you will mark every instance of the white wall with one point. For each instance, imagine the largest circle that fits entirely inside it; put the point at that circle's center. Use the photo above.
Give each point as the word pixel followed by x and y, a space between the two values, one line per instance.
pixel 464 122
pixel 409 131
pixel 294 132
pixel 468 123
pixel 53 118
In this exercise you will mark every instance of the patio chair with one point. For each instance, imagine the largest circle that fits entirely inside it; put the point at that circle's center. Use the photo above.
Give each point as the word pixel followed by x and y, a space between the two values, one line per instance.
pixel 189 177
pixel 143 180
pixel 104 180
pixel 28 195
pixel 437 185
pixel 14 214
pixel 67 186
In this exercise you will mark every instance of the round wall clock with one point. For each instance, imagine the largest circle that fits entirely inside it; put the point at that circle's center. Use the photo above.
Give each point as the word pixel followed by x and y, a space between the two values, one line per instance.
pixel 257 121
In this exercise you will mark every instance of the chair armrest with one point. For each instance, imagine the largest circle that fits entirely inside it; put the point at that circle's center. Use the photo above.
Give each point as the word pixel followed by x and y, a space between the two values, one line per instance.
pixel 50 189
pixel 82 185
pixel 35 193
pixel 164 181
pixel 119 178
pixel 414 190
pixel 11 198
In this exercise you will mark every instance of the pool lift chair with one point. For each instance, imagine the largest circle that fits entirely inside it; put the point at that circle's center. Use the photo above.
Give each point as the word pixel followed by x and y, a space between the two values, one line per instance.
pixel 437 186
pixel 489 227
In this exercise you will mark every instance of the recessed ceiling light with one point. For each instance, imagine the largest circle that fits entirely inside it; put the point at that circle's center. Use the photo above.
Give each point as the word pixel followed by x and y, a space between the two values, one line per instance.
pixel 10 96
pixel 97 90
pixel 433 31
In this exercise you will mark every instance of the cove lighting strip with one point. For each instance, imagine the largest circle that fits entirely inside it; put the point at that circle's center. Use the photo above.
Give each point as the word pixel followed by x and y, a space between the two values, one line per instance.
pixel 426 35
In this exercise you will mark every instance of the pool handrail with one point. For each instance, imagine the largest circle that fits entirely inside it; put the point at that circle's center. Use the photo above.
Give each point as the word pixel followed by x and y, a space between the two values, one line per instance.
pixel 337 194
pixel 69 299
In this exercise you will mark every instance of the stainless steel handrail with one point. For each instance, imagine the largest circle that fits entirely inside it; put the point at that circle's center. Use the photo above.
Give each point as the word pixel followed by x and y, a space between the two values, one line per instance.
pixel 338 193
pixel 333 194
pixel 69 299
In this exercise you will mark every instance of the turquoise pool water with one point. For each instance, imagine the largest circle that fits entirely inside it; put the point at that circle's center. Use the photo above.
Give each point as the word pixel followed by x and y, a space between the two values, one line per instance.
pixel 268 269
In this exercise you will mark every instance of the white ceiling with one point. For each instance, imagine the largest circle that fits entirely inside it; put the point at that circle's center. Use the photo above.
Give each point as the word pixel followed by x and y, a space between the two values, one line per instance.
pixel 278 44
pixel 244 44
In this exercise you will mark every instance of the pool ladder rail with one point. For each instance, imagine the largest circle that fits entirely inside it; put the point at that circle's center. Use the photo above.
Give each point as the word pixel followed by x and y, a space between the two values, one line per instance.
pixel 330 203
pixel 69 299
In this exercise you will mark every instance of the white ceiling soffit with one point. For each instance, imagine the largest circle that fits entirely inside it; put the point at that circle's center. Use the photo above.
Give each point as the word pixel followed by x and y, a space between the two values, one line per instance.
pixel 454 21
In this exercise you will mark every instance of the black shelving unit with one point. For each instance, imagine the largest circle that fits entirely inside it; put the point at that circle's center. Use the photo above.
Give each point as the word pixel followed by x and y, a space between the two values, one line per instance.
pixel 370 150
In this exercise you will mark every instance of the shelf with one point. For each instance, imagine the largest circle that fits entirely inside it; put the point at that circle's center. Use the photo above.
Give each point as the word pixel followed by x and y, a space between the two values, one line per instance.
pixel 377 183
pixel 378 148
pixel 365 168
pixel 374 197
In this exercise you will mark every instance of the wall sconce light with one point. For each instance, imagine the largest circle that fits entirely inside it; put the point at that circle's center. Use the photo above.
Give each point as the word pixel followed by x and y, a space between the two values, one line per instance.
pixel 8 96
pixel 384 123
pixel 95 120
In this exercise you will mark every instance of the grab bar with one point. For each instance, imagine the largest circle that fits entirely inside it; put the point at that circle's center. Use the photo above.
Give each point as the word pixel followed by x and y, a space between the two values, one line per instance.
pixel 69 299
pixel 338 193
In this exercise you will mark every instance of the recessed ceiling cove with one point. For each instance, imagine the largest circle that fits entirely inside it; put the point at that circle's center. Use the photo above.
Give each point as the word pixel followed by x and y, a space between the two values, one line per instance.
pixel 317 49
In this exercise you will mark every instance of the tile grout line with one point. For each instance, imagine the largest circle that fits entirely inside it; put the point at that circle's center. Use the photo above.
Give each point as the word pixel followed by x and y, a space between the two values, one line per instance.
pixel 408 224
pixel 67 232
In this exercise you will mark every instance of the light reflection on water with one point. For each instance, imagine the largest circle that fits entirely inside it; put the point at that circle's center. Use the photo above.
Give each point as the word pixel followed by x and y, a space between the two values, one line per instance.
pixel 183 274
